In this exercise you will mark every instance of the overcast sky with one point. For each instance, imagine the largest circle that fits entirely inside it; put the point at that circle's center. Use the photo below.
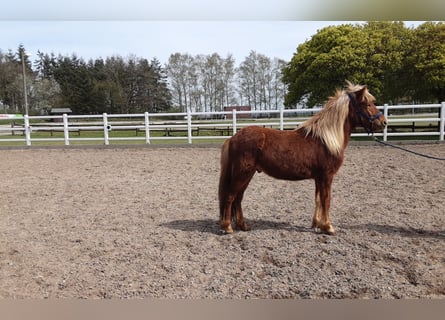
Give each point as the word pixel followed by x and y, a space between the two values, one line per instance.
pixel 160 39
pixel 102 28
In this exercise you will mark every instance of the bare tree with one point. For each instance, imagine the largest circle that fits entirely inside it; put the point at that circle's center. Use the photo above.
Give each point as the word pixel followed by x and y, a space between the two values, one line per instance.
pixel 179 70
pixel 278 87
pixel 210 82
pixel 255 79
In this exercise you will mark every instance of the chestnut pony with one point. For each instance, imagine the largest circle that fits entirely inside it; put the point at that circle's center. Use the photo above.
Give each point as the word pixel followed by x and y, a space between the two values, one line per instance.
pixel 314 150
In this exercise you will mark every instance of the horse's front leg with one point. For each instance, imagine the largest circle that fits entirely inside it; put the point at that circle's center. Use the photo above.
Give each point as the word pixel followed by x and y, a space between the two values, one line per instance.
pixel 317 213
pixel 321 217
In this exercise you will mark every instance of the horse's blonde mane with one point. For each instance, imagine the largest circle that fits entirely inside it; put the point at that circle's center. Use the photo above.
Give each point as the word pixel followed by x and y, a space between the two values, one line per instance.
pixel 327 125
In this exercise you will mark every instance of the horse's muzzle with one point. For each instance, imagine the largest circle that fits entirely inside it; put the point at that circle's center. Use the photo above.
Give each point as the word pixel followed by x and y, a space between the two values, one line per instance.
pixel 380 123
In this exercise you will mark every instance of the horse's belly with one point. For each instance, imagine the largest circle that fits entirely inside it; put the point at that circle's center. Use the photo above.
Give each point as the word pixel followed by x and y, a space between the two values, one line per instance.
pixel 286 173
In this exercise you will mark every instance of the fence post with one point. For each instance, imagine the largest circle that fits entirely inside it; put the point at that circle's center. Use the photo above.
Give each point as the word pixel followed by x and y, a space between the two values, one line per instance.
pixel 189 125
pixel 442 121
pixel 27 130
pixel 234 121
pixel 385 114
pixel 66 132
pixel 281 118
pixel 147 128
pixel 106 129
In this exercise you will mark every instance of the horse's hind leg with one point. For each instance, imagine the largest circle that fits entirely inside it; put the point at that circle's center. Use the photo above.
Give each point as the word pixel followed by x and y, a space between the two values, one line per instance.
pixel 233 211
pixel 237 209
pixel 232 201
pixel 226 213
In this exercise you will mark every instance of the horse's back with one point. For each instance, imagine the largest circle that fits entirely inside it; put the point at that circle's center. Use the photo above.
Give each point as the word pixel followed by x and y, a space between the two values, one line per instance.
pixel 248 140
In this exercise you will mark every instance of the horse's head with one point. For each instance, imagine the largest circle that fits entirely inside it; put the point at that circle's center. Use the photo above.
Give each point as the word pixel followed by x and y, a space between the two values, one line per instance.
pixel 365 112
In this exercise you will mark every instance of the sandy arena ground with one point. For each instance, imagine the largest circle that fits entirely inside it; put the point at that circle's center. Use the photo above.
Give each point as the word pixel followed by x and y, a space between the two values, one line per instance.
pixel 142 223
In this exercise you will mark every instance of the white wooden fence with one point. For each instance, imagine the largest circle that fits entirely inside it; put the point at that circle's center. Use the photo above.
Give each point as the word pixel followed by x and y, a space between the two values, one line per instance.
pixel 190 124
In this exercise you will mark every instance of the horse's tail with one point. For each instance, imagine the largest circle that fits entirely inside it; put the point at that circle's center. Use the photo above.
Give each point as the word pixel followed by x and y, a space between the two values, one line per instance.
pixel 225 177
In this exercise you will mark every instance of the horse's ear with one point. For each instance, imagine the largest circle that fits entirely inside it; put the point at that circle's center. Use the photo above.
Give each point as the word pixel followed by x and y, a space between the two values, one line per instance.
pixel 361 93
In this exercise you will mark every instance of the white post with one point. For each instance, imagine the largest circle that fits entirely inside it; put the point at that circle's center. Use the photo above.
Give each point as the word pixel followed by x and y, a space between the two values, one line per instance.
pixel 106 128
pixel 189 125
pixel 147 128
pixel 442 121
pixel 234 120
pixel 385 114
pixel 27 130
pixel 281 118
pixel 66 132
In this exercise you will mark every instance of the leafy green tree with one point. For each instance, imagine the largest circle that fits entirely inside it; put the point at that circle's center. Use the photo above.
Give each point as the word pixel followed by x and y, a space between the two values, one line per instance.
pixel 389 44
pixel 373 54
pixel 428 62
pixel 324 62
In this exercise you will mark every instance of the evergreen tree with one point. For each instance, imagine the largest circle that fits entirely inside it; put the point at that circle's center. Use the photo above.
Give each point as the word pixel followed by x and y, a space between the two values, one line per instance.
pixel 76 85
pixel 11 79
pixel 161 96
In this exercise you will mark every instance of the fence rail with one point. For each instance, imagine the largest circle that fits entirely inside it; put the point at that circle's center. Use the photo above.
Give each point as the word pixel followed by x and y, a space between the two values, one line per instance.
pixel 193 126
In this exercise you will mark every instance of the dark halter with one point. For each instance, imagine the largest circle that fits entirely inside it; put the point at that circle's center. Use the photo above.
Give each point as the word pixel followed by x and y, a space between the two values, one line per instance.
pixel 361 114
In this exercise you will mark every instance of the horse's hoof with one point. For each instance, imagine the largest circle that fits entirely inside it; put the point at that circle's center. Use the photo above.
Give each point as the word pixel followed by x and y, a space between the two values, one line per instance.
pixel 227 230
pixel 243 227
pixel 330 231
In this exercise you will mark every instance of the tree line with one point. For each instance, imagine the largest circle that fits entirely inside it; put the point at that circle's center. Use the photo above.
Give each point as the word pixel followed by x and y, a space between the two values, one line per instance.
pixel 134 84
pixel 210 82
pixel 398 63
pixel 112 85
